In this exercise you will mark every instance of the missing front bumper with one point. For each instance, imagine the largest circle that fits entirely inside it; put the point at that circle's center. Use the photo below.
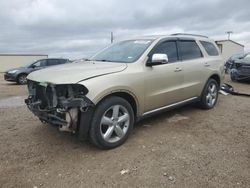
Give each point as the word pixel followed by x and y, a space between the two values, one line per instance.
pixel 57 104
pixel 66 116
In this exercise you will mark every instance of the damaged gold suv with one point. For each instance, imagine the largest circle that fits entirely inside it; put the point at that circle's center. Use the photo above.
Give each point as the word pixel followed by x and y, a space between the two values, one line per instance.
pixel 101 98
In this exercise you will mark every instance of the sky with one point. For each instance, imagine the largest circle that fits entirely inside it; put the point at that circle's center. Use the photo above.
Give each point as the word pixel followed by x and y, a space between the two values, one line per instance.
pixel 78 29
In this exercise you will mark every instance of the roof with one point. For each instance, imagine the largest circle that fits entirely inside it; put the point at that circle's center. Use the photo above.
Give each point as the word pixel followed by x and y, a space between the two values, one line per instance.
pixel 188 34
pixel 23 54
pixel 176 35
pixel 220 41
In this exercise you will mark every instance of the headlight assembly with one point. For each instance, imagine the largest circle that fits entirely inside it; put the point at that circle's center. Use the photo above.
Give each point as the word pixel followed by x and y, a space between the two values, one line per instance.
pixel 12 71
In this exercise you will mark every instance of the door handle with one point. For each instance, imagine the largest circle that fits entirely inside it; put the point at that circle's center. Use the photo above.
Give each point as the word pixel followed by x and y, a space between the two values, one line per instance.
pixel 207 65
pixel 178 69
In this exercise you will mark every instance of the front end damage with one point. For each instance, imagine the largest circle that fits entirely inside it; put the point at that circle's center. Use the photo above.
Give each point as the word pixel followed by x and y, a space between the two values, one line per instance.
pixel 240 71
pixel 58 104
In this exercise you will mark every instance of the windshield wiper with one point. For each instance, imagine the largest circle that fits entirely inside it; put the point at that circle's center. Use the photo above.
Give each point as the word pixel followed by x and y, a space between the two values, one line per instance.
pixel 104 60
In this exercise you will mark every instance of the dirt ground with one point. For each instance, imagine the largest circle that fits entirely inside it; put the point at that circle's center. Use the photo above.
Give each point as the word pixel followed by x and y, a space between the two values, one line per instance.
pixel 187 147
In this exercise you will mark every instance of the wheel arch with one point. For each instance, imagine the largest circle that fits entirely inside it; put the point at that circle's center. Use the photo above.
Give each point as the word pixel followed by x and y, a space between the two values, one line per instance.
pixel 20 74
pixel 86 117
pixel 128 96
pixel 216 77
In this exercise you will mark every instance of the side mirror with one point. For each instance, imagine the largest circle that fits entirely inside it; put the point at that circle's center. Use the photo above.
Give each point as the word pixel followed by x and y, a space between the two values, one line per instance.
pixel 158 59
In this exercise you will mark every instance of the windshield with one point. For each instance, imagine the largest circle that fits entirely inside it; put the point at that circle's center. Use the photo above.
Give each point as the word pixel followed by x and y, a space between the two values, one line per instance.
pixel 126 51
pixel 29 64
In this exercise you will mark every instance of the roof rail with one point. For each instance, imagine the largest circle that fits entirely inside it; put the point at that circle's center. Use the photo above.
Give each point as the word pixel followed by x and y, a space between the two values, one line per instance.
pixel 189 35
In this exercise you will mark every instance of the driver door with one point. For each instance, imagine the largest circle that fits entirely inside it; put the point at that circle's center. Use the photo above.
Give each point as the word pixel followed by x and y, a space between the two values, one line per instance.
pixel 164 82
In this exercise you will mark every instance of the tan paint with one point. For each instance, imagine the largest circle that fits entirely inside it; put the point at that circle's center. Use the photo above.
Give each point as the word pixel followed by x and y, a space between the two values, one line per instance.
pixel 158 86
pixel 151 87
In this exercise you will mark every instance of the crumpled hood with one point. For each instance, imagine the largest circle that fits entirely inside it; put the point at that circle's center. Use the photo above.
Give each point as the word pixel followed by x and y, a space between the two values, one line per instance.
pixel 75 72
pixel 246 60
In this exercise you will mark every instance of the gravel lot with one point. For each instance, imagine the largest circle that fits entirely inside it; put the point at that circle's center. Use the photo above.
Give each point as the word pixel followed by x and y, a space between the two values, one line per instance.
pixel 187 147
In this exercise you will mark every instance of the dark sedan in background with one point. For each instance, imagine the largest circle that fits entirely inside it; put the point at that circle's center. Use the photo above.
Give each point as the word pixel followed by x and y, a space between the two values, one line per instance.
pixel 229 63
pixel 19 74
pixel 240 69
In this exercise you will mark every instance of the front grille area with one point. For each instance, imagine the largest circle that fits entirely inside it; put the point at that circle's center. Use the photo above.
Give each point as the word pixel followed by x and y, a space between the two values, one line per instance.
pixel 64 96
pixel 8 77
pixel 53 103
pixel 43 93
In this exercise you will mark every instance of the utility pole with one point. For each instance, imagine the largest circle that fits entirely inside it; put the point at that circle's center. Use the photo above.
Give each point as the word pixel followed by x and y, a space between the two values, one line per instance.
pixel 112 37
pixel 229 34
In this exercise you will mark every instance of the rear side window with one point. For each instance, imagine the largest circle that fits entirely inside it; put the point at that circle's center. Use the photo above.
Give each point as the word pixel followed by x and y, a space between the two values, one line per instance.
pixel 62 61
pixel 189 50
pixel 53 62
pixel 210 48
pixel 168 48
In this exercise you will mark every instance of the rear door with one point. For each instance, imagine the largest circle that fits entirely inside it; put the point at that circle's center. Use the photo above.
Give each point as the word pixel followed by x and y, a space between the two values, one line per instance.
pixel 163 83
pixel 192 67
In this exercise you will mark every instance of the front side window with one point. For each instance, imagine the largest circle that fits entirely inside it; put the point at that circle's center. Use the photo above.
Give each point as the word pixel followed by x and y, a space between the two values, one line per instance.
pixel 126 51
pixel 210 48
pixel 189 50
pixel 40 63
pixel 169 48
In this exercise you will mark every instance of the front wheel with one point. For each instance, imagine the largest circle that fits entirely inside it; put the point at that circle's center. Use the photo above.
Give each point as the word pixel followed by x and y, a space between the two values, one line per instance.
pixel 112 123
pixel 22 79
pixel 209 95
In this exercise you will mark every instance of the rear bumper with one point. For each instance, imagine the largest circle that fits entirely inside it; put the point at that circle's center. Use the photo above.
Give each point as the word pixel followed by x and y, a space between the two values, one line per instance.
pixel 9 77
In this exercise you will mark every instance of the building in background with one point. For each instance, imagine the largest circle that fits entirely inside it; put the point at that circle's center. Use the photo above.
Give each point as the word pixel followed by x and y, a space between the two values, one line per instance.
pixel 8 61
pixel 229 48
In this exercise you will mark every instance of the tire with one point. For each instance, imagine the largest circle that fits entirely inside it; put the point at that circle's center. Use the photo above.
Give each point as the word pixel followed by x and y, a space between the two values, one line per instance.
pixel 227 70
pixel 106 132
pixel 209 95
pixel 233 76
pixel 22 79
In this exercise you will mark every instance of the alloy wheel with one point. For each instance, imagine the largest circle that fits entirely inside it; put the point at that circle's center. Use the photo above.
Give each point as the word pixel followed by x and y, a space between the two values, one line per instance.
pixel 22 79
pixel 114 123
pixel 211 96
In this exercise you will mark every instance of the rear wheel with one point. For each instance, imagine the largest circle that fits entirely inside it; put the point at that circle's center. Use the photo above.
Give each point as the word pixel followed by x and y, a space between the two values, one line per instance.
pixel 209 95
pixel 112 123
pixel 22 79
